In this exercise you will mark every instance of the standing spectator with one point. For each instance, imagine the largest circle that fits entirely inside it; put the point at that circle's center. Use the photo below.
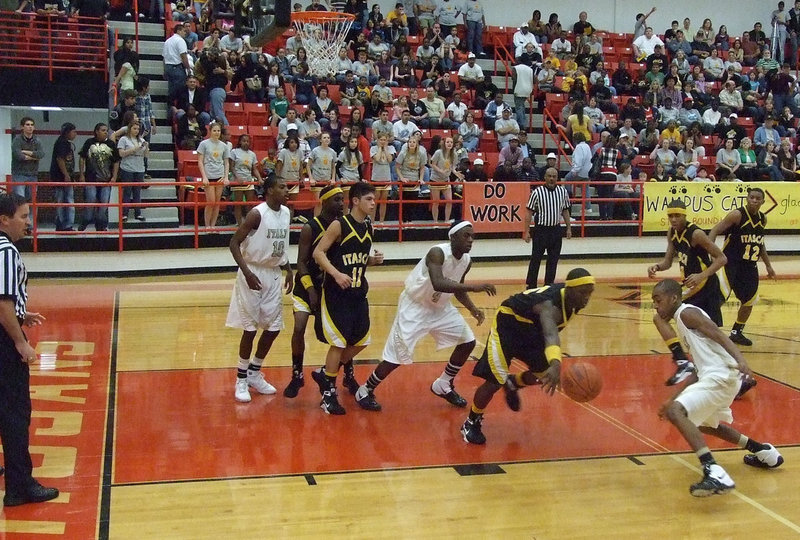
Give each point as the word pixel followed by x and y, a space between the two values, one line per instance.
pixel 382 155
pixel 522 78
pixel 779 19
pixel 623 189
pixel 144 110
pixel 609 156
pixel 581 165
pixel 213 160
pixel 782 86
pixel 641 19
pixel 15 356
pixel 99 163
pixel 447 12
pixel 443 164
pixel 253 77
pixel 410 169
pixel 547 205
pixel 217 73
pixel 133 150
pixel 793 28
pixel 26 151
pixel 424 12
pixel 475 21
pixel 62 169
pixel 176 61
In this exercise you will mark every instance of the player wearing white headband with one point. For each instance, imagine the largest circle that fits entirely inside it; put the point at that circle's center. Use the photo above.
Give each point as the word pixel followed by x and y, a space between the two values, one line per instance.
pixel 425 308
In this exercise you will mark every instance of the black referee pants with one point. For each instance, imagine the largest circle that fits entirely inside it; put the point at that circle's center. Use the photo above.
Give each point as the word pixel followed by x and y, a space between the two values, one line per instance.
pixel 544 239
pixel 15 417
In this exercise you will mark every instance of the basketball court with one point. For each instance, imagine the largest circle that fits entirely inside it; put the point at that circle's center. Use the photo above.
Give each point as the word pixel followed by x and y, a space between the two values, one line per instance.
pixel 136 423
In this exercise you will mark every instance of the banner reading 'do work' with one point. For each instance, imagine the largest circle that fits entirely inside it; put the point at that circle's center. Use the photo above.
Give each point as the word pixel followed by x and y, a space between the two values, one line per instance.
pixel 707 203
pixel 496 206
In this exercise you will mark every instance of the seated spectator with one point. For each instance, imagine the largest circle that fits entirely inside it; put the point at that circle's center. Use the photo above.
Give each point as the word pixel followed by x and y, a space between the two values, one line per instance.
pixel 582 28
pixel 192 94
pixel 528 172
pixel 601 73
pixel 786 161
pixel 748 172
pixel 659 174
pixel 432 70
pixel 523 37
pixel 506 128
pixel 680 174
pixel 404 73
pixel 447 58
pixel 680 44
pixel 622 80
pixel 688 114
pixel 595 115
pixel 470 133
pixel 586 59
pixel 730 98
pixel 437 113
pixel 476 173
pixel 628 129
pixel 191 130
pixel 537 27
pixel 768 163
pixel 278 107
pixel 663 154
pixel 731 130
pixel 530 56
pixel 274 80
pixel 757 35
pixel 604 97
pixel 348 90
pixel 470 74
pixel 668 114
pixel 456 110
pixel 376 47
pixel 561 46
pixel 670 91
pixel 399 14
pixel 550 163
pixel 713 66
pixel 765 133
pixel 689 157
pixel 322 105
pixel 751 50
pixel 700 49
pixel 767 63
pixel 364 68
pixel 735 56
pixel 309 129
pixel 493 111
pixel 253 77
pixel 659 59
pixel 231 42
pixel 511 154
pixel 703 176
pixel 671 33
pixel 424 53
pixel 546 77
pixel 644 45
pixel 648 137
pixel 728 157
pixel 786 123
pixel 505 173
pixel 722 39
pixel 625 148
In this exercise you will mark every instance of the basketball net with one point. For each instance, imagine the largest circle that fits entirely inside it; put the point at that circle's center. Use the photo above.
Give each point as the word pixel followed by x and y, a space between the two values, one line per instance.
pixel 322 34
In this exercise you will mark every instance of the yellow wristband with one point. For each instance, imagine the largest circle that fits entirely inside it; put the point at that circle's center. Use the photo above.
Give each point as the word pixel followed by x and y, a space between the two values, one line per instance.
pixel 552 353
pixel 306 282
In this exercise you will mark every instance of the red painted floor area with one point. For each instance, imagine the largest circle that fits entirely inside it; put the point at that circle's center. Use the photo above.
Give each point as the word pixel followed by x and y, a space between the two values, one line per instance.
pixel 186 425
pixel 75 387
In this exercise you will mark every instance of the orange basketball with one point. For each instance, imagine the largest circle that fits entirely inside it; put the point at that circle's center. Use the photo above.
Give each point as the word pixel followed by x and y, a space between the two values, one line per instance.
pixel 581 381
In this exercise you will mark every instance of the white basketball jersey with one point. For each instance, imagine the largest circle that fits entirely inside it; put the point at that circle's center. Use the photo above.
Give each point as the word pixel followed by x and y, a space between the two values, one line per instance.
pixel 418 283
pixel 266 246
pixel 708 355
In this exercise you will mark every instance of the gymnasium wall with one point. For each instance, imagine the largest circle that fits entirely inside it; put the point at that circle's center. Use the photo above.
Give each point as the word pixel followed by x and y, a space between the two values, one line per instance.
pixel 619 15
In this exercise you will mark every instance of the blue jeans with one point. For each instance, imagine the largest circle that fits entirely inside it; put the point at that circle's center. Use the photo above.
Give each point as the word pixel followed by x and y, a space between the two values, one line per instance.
pixel 22 190
pixel 176 79
pixel 132 194
pixel 519 111
pixel 65 215
pixel 471 145
pixel 475 36
pixel 97 214
pixel 217 98
pixel 157 9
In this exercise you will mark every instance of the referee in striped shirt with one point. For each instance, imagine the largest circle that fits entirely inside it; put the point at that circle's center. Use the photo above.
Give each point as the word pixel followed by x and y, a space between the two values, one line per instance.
pixel 546 206
pixel 15 355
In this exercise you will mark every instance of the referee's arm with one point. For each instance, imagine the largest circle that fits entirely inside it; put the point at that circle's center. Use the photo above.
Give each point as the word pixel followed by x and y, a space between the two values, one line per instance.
pixel 526 221
pixel 9 322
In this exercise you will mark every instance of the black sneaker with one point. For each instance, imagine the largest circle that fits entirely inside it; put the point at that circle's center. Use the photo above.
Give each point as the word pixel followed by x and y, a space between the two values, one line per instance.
pixel 740 339
pixel 367 402
pixel 330 403
pixel 471 431
pixel 451 396
pixel 512 394
pixel 747 383
pixel 684 371
pixel 351 384
pixel 320 379
pixel 294 386
pixel 715 482
pixel 37 493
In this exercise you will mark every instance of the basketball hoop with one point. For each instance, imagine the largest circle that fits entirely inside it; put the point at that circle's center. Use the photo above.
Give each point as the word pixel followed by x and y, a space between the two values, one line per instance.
pixel 323 34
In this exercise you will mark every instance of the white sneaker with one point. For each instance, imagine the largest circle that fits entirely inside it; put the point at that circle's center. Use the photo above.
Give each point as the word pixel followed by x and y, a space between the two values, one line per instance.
pixel 242 394
pixel 257 381
pixel 440 387
pixel 765 459
pixel 715 482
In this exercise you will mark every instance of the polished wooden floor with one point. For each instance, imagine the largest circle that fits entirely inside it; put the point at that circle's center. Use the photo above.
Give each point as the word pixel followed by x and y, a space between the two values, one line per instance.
pixel 135 422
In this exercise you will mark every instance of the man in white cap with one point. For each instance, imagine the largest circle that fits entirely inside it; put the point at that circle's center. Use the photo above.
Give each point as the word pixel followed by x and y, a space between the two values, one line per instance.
pixel 424 309
pixel 470 74
pixel 477 173
pixel 551 161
